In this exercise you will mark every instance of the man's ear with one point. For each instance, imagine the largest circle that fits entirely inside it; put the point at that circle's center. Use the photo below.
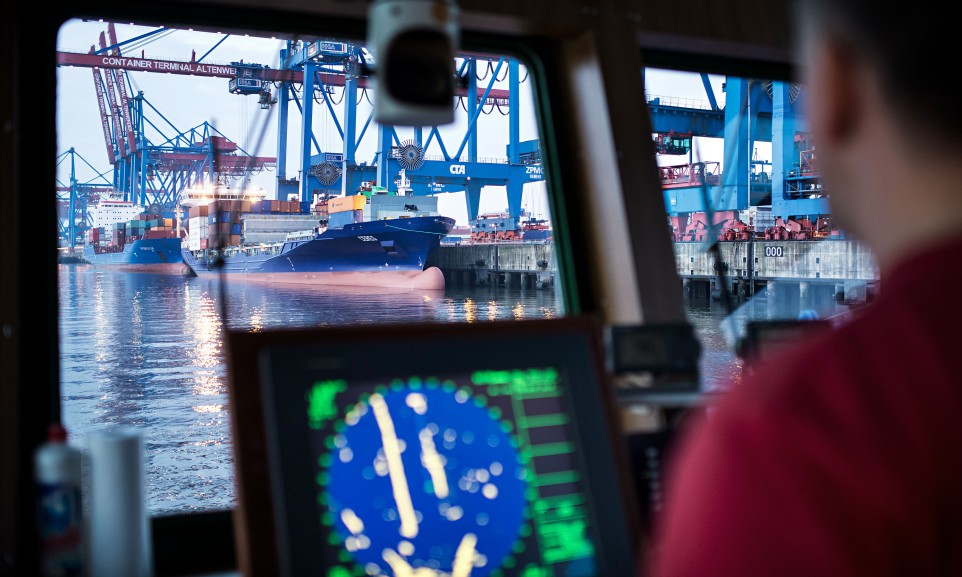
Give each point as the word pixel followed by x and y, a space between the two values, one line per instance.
pixel 836 83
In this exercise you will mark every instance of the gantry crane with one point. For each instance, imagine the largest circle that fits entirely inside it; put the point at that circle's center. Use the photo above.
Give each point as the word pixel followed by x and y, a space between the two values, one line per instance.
pixel 72 198
pixel 754 111
pixel 310 72
pixel 148 172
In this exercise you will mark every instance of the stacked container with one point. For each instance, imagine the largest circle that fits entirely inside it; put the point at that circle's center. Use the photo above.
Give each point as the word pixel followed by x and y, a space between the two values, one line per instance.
pixel 135 229
pixel 346 203
pixel 197 228
pixel 270 228
pixel 224 223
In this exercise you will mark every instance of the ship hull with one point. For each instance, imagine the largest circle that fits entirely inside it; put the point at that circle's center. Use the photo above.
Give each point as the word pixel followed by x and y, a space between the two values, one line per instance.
pixel 386 253
pixel 161 255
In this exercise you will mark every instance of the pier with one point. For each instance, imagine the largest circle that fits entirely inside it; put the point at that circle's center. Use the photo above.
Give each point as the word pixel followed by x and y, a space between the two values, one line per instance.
pixel 520 265
pixel 796 273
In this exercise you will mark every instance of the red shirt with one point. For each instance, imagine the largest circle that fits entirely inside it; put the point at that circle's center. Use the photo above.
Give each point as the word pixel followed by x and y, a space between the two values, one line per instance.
pixel 841 457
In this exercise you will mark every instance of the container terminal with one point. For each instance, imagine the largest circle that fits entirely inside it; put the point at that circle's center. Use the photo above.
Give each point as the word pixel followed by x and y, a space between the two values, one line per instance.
pixel 761 210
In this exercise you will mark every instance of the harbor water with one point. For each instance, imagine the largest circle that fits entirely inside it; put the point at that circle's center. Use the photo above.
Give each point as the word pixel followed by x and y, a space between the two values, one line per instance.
pixel 146 350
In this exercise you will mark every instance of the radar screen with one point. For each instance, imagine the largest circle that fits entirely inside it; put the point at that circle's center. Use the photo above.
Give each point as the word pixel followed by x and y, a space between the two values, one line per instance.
pixel 474 470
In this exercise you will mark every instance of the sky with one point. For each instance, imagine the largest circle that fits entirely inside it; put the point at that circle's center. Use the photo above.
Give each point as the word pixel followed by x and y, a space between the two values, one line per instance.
pixel 187 101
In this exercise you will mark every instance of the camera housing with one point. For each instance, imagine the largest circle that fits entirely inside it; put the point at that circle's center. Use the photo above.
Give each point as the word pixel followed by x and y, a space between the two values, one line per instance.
pixel 414 43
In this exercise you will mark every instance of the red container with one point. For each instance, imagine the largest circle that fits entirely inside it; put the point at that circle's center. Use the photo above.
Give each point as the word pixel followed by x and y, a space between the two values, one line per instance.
pixel 222 144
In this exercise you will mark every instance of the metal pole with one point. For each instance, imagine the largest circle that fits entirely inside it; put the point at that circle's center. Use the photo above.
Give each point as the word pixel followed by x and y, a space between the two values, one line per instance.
pixel 307 129
pixel 141 149
pixel 748 93
pixel 283 101
pixel 384 141
pixel 72 206
pixel 472 105
pixel 514 121
pixel 350 118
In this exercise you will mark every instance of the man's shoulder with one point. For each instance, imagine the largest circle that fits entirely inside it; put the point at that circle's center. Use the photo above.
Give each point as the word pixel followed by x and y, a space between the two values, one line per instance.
pixel 824 369
pixel 872 363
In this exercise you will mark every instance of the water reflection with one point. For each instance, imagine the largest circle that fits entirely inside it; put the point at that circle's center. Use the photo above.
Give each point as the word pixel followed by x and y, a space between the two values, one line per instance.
pixel 492 310
pixel 720 367
pixel 146 350
pixel 719 332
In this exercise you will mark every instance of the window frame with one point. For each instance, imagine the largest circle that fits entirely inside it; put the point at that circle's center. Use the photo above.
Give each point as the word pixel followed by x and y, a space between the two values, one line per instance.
pixel 183 543
pixel 30 398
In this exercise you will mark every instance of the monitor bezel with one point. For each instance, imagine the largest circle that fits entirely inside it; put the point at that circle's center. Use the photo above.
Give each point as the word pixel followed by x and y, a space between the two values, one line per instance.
pixel 574 342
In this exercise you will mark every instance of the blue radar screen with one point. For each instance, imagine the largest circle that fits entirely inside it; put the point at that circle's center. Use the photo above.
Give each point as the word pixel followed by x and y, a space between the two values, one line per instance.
pixel 423 479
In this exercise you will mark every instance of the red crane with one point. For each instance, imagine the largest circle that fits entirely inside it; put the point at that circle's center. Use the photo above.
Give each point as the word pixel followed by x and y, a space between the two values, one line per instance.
pixel 116 62
pixel 122 87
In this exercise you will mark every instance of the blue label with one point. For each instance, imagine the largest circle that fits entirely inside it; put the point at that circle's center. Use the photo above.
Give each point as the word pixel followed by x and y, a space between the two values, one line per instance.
pixel 60 523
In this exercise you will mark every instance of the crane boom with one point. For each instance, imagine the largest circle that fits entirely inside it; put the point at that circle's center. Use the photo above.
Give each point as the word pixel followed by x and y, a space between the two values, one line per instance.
pixel 106 61
pixel 112 102
pixel 122 86
pixel 104 119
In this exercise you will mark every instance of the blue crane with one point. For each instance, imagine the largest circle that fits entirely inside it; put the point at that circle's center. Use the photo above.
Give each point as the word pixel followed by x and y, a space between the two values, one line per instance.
pixel 155 171
pixel 457 168
pixel 755 111
pixel 309 74
pixel 72 198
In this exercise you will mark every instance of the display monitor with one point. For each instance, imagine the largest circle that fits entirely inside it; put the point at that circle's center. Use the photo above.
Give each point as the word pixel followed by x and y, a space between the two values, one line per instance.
pixel 481 450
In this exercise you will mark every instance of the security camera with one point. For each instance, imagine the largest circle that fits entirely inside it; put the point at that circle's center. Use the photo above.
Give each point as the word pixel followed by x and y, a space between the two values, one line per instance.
pixel 414 42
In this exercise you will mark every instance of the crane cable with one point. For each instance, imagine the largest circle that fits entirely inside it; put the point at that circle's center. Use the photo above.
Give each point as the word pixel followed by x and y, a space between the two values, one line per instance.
pixel 486 73
pixel 137 45
pixel 219 260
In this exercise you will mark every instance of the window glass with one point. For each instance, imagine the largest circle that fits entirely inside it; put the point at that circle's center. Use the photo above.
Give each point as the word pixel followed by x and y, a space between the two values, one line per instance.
pixel 742 188
pixel 193 194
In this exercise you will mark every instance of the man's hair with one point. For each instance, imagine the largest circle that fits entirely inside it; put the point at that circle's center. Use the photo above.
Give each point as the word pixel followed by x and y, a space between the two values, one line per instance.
pixel 913 48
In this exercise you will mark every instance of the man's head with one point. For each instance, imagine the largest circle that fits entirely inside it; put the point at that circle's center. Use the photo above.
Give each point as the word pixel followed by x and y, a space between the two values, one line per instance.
pixel 912 48
pixel 880 110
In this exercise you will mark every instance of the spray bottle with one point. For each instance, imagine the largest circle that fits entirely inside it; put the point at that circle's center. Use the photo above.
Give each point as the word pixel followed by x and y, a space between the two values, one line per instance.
pixel 58 484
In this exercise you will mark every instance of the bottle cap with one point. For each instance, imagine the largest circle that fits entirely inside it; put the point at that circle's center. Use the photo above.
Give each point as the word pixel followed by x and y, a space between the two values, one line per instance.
pixel 56 433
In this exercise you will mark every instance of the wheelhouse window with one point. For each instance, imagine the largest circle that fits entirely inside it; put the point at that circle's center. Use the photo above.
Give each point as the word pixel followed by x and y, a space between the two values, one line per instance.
pixel 210 179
